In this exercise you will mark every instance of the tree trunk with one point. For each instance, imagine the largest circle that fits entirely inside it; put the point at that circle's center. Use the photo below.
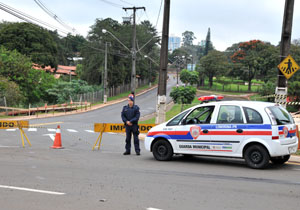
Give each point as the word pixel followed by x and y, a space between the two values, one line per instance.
pixel 249 85
pixel 210 81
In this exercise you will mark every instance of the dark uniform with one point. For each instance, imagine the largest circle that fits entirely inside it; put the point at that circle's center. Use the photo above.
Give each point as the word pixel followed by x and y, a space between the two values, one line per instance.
pixel 131 114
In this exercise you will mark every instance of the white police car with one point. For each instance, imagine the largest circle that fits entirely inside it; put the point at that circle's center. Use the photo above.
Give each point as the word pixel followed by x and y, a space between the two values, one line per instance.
pixel 256 131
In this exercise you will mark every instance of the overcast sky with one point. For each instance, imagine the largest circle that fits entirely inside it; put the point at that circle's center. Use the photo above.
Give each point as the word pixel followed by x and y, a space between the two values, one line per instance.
pixel 230 21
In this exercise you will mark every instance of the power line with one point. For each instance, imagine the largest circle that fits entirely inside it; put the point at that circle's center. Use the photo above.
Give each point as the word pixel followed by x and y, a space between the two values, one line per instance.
pixel 127 2
pixel 112 4
pixel 28 18
pixel 32 20
pixel 158 13
pixel 54 16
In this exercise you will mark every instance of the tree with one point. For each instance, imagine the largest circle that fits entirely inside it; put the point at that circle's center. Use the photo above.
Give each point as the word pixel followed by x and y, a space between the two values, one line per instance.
pixel 249 56
pixel 68 47
pixel 32 83
pixel 184 76
pixel 30 40
pixel 208 44
pixel 183 95
pixel 187 76
pixel 203 51
pixel 11 91
pixel 213 64
pixel 62 91
pixel 119 59
pixel 187 38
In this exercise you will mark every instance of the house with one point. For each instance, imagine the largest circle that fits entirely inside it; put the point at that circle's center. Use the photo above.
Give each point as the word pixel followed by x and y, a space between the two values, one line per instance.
pixel 61 70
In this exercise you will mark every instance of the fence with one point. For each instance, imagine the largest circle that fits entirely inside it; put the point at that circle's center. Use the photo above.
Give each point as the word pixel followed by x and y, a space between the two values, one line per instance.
pixel 74 103
pixel 97 96
pixel 232 88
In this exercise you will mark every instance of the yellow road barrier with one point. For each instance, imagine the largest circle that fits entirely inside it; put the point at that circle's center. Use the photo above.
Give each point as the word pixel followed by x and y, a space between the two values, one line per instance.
pixel 115 128
pixel 10 124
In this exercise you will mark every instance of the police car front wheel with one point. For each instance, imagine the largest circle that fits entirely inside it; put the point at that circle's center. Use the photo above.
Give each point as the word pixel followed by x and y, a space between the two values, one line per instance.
pixel 256 156
pixel 162 150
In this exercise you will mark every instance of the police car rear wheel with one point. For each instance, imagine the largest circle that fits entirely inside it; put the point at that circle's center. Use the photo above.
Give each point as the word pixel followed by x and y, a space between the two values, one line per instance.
pixel 162 150
pixel 256 156
pixel 280 160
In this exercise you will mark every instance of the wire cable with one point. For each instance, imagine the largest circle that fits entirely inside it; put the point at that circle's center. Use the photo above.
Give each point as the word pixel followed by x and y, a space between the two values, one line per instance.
pixel 112 4
pixel 127 2
pixel 158 13
pixel 28 18
pixel 54 16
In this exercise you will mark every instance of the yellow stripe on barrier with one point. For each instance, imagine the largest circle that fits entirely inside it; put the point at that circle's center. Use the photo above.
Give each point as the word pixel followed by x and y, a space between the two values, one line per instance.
pixel 13 124
pixel 116 128
pixel 119 127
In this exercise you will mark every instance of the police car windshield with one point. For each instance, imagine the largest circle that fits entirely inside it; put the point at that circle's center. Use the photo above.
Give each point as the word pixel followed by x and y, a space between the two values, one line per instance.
pixel 281 116
pixel 178 118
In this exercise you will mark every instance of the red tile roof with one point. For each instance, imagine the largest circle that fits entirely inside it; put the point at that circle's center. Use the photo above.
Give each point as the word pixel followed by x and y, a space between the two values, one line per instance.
pixel 67 70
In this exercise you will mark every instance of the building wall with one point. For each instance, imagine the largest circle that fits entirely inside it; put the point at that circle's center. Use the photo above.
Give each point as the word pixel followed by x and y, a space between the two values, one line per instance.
pixel 174 43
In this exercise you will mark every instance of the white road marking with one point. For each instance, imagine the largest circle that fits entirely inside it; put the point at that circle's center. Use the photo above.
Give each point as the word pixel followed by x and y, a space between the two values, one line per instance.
pixel 112 133
pixel 31 190
pixel 32 129
pixel 72 130
pixel 90 131
pixel 51 135
pixel 12 129
pixel 150 208
pixel 7 146
pixel 51 130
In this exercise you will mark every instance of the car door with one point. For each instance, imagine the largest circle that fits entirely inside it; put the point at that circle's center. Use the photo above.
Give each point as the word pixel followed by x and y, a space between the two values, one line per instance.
pixel 228 130
pixel 193 131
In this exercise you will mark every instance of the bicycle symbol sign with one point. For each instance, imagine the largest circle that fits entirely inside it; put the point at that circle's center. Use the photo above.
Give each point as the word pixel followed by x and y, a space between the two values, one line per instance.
pixel 288 67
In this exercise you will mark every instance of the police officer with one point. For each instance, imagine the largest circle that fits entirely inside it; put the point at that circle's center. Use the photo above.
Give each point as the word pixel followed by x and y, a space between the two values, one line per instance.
pixel 130 116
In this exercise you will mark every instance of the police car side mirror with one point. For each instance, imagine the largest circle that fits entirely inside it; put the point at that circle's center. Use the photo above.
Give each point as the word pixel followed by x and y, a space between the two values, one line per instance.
pixel 183 122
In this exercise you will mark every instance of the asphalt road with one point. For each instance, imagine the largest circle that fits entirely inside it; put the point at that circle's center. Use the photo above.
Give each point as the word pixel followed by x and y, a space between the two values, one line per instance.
pixel 77 178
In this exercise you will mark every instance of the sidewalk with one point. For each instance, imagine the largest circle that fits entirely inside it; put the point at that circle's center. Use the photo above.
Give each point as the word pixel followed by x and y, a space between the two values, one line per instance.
pixel 294 159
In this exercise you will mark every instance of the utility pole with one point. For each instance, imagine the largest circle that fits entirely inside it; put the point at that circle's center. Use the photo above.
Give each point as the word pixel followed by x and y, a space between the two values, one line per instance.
pixel 285 44
pixel 133 72
pixel 162 81
pixel 150 72
pixel 105 75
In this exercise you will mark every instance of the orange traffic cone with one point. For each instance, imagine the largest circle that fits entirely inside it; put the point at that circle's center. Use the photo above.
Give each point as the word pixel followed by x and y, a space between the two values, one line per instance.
pixel 57 140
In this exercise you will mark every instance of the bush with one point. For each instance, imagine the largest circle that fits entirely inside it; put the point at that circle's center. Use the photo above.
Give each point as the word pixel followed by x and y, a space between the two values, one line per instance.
pixel 11 91
pixel 268 89
pixel 183 95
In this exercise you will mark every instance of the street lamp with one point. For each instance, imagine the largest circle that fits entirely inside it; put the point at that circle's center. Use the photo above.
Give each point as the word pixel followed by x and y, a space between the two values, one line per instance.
pixel 106 31
pixel 133 53
pixel 149 77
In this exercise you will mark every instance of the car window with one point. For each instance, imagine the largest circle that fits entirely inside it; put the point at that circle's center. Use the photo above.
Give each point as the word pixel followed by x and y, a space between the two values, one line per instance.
pixel 200 115
pixel 230 114
pixel 252 116
pixel 178 118
pixel 282 117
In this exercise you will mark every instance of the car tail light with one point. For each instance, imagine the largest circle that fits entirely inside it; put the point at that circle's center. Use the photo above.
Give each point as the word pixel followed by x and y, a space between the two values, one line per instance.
pixel 275 137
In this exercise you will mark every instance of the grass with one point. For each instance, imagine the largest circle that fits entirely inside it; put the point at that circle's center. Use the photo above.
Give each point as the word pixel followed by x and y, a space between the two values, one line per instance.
pixel 298 151
pixel 212 92
pixel 176 109
pixel 234 86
